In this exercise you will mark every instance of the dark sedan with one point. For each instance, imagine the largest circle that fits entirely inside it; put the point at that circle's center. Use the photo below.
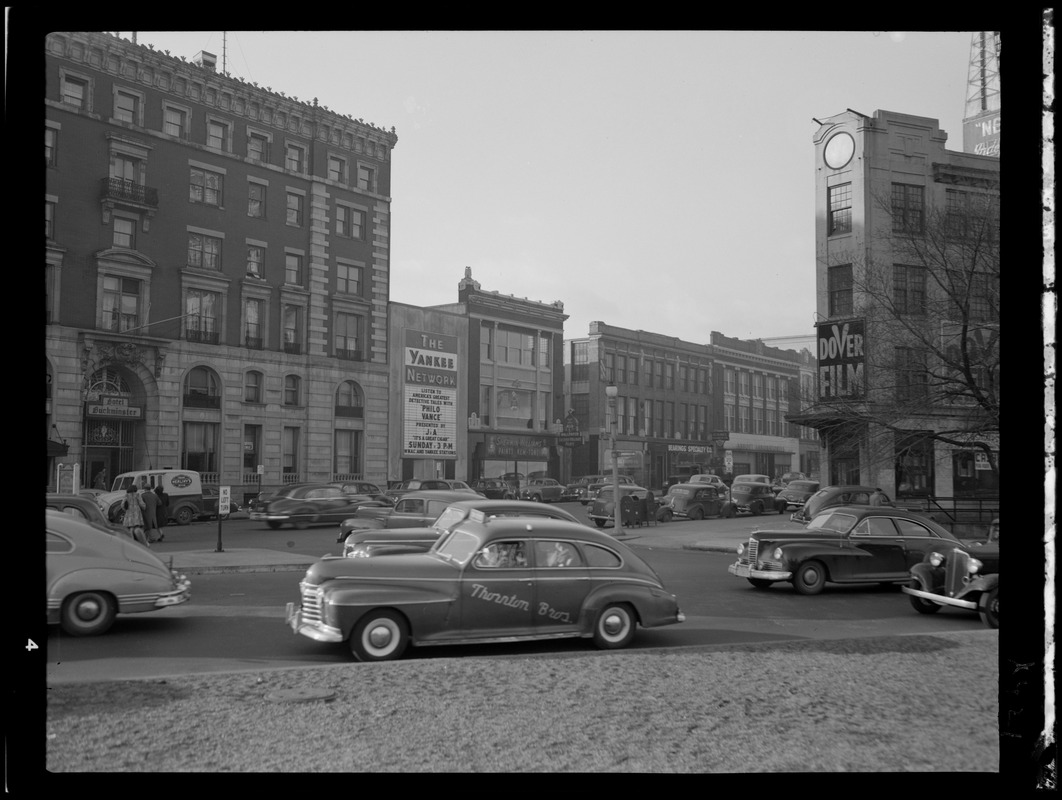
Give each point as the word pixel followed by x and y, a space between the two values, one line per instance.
pixel 493 488
pixel 830 496
pixel 847 544
pixel 795 494
pixel 389 541
pixel 752 497
pixel 416 485
pixel 303 504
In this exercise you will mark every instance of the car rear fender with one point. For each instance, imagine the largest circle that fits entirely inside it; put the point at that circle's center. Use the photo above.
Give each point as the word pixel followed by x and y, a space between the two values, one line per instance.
pixel 643 597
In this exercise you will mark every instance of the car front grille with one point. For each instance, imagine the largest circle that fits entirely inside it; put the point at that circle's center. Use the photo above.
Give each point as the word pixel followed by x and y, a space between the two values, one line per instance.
pixel 956 572
pixel 311 605
pixel 753 551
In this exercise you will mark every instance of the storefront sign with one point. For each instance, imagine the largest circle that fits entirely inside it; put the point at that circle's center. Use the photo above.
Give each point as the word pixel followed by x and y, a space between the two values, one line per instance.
pixel 429 395
pixel 529 447
pixel 842 360
pixel 113 406
pixel 688 448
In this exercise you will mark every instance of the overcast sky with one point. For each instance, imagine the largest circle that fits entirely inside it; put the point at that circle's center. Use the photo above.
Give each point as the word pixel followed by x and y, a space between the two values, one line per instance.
pixel 655 180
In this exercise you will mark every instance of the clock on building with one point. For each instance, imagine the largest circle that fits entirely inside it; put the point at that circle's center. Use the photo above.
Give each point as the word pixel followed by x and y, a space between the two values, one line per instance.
pixel 839 150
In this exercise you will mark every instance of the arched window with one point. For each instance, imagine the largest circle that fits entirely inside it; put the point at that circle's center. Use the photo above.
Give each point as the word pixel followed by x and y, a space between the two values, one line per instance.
pixel 201 388
pixel 349 400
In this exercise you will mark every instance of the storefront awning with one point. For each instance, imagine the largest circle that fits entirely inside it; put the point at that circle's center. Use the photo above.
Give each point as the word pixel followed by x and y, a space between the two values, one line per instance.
pixel 56 449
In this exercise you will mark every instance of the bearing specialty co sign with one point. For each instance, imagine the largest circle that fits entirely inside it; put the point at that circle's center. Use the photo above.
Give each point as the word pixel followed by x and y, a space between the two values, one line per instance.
pixel 429 395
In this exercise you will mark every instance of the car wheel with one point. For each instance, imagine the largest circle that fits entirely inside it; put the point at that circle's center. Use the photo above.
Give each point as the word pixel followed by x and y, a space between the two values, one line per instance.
pixel 379 636
pixel 118 516
pixel 923 606
pixel 183 516
pixel 536 498
pixel 988 607
pixel 760 583
pixel 809 577
pixel 614 627
pixel 666 516
pixel 88 613
pixel 696 513
pixel 600 523
pixel 299 521
pixel 273 523
pixel 757 508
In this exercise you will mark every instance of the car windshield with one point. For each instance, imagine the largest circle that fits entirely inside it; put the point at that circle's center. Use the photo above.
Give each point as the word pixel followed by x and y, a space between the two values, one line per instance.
pixel 675 490
pixel 458 547
pixel 832 522
pixel 449 517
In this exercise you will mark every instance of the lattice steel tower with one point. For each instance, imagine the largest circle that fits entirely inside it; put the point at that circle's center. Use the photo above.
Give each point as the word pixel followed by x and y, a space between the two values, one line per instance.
pixel 980 129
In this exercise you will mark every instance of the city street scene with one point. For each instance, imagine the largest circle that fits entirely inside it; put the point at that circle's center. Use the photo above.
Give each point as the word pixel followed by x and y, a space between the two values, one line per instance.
pixel 557 401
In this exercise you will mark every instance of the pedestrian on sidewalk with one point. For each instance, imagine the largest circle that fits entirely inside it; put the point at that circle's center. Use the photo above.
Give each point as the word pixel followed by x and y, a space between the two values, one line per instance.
pixel 133 518
pixel 151 519
pixel 163 511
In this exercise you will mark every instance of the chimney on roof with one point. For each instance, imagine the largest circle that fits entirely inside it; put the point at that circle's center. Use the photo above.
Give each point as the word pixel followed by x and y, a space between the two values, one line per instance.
pixel 206 60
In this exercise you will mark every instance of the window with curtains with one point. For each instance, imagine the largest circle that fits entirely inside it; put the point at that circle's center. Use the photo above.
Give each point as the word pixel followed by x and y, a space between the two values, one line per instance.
pixel 252 447
pixel 253 323
pixel 289 452
pixel 292 329
pixel 201 316
pixel 204 251
pixel 199 449
pixel 256 197
pixel 253 381
pixel 206 187
pixel 121 303
pixel 348 336
pixel 346 452
pixel 292 390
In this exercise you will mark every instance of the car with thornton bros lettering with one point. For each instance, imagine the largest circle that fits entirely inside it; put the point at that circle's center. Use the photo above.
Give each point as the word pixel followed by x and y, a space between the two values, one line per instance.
pixel 489 579
pixel 846 544
pixel 418 538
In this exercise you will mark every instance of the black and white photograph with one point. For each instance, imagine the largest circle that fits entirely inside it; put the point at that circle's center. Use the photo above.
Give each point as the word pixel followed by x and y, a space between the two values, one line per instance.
pixel 543 401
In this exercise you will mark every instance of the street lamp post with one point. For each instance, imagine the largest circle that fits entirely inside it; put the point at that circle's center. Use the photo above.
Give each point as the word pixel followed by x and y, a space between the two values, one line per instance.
pixel 610 392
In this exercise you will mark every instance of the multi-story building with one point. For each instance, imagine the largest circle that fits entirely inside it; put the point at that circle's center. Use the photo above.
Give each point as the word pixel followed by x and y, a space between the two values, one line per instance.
pixel 680 407
pixel 907 290
pixel 217 271
pixel 514 379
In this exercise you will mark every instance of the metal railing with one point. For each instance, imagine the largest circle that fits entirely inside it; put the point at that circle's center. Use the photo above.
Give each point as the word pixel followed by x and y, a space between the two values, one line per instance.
pixel 121 189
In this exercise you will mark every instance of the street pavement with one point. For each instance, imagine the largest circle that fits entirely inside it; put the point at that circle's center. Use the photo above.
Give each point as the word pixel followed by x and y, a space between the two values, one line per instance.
pixel 677 536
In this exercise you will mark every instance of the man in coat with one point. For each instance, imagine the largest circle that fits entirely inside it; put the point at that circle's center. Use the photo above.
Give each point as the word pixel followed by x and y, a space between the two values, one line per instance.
pixel 151 515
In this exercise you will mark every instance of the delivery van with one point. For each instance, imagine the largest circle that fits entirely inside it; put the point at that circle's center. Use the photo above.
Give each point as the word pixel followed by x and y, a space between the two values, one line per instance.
pixel 184 487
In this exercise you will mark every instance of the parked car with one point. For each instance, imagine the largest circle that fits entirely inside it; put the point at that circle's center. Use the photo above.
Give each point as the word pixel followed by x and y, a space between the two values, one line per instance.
pixel 92 575
pixel 493 488
pixel 361 489
pixel 85 508
pixel 542 490
pixel 417 509
pixel 789 477
pixel 579 488
pixel 415 485
pixel 830 496
pixel 515 480
pixel 752 498
pixel 604 480
pixel 602 509
pixel 794 495
pixel 259 501
pixel 846 544
pixel 710 480
pixel 303 504
pixel 694 501
pixel 460 486
pixel 486 580
pixel 388 541
pixel 961 577
pixel 752 478
pixel 209 508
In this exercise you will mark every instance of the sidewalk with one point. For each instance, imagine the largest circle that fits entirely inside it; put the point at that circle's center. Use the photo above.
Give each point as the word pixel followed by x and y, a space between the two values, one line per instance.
pixel 663 535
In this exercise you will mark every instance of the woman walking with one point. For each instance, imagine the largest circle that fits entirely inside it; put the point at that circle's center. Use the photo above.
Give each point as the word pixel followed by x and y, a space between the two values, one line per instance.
pixel 134 514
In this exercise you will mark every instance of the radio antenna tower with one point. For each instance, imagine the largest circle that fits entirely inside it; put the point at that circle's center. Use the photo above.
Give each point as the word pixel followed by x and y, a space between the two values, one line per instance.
pixel 983 81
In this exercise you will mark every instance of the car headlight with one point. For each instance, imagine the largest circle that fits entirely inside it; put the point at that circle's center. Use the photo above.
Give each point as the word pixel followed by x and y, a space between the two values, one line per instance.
pixel 740 549
pixel 777 554
pixel 936 559
pixel 973 566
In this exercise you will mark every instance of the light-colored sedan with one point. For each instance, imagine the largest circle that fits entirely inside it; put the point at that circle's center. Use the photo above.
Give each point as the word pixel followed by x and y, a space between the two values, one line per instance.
pixel 542 490
pixel 92 576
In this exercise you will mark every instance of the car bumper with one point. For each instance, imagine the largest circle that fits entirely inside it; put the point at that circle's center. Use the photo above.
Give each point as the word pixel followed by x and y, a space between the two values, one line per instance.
pixel 940 599
pixel 747 571
pixel 262 516
pixel 317 631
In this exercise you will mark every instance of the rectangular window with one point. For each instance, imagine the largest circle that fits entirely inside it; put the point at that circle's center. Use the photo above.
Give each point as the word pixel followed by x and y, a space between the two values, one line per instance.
pixel 256 197
pixel 252 447
pixel 337 169
pixel 201 316
pixel 204 251
pixel 205 186
pixel 294 216
pixel 348 279
pixel 253 334
pixel 292 329
pixel 984 298
pixel 772 391
pixel 294 157
pixel 757 386
pixel 199 447
pixel 366 178
pixel 74 91
pixel 255 261
pixel 647 372
pixel 757 419
pixel 121 303
pixel 647 418
pixel 543 352
pixel 126 107
pixel 839 288
pixel 289 453
pixel 621 369
pixel 743 384
pixel 51 142
pixel 350 222
pixel 257 147
pixel 729 382
pixel 907 208
pixel 127 170
pixel 743 419
pixel 217 135
pixel 291 390
pixel 293 269
pixel 347 448
pixel 658 426
pixel 840 214
pixel 909 289
pixel 684 378
pixel 174 122
pixel 632 372
pixel 347 339
pixel 659 374
pixel 669 420
pixel 669 376
pixel 49 219
pixel 252 387
pixel 486 346
pixel 124 231
pixel 912 378
pixel 728 416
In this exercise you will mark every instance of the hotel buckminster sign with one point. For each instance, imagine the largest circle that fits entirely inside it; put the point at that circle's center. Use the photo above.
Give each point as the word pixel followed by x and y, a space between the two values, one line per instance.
pixel 429 395
pixel 842 361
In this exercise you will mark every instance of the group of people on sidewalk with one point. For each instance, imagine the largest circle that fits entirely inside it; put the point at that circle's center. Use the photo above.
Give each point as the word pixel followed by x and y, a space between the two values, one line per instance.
pixel 146 513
